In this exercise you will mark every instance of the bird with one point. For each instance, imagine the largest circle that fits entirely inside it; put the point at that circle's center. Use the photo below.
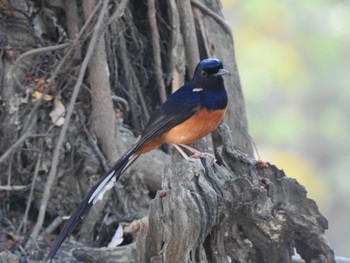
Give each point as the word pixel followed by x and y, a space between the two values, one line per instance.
pixel 190 113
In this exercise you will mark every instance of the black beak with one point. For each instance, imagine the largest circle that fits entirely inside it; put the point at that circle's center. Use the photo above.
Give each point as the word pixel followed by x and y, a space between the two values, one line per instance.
pixel 221 72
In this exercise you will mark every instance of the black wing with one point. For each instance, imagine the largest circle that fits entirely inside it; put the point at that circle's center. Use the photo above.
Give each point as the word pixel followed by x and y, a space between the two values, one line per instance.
pixel 179 107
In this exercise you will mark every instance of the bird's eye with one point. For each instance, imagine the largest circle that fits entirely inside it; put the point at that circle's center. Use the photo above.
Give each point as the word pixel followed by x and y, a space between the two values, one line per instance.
pixel 204 74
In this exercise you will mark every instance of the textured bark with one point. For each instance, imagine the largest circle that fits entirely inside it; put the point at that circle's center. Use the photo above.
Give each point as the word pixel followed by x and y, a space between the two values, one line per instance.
pixel 230 211
pixel 234 212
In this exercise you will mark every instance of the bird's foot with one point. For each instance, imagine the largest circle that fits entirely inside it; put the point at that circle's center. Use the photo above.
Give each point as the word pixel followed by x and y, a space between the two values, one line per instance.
pixel 192 159
pixel 198 154
pixel 203 155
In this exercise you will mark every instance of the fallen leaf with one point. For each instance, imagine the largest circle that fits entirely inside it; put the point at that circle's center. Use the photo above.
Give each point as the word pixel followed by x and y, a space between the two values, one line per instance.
pixel 37 95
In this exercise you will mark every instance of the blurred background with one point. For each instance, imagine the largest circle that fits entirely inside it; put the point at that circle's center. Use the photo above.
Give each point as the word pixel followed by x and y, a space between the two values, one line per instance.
pixel 294 62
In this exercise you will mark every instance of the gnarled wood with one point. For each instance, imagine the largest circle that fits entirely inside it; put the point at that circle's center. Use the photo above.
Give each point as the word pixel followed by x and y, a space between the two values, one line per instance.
pixel 230 211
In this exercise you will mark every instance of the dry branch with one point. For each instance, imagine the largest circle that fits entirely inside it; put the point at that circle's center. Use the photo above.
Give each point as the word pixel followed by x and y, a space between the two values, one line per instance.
pixel 13 187
pixel 34 52
pixel 14 147
pixel 157 61
pixel 214 15
pixel 30 197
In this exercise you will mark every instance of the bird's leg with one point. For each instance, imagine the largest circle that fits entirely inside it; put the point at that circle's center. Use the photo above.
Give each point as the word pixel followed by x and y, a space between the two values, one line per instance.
pixel 197 153
pixel 184 155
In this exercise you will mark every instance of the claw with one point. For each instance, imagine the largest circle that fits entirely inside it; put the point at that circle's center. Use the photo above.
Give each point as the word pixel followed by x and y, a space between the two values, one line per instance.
pixel 195 153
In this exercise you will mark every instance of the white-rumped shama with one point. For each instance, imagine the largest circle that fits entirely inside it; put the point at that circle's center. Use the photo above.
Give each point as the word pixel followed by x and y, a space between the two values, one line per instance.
pixel 190 113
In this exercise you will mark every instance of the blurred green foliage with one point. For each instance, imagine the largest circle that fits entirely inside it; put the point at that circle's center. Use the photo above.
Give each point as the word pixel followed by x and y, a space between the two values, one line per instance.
pixel 294 63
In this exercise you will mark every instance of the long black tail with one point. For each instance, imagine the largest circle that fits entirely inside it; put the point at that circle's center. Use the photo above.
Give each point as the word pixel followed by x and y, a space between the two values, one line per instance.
pixel 94 195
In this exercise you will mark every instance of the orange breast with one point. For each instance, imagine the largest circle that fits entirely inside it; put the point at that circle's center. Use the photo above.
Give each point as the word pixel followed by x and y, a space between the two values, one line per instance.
pixel 196 127
pixel 191 130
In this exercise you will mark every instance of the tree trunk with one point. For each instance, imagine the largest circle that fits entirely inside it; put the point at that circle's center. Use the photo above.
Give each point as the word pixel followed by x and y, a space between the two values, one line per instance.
pixel 232 210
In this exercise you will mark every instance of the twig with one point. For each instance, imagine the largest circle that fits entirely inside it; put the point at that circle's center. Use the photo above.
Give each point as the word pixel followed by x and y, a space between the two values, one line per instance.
pixel 122 101
pixel 13 187
pixel 9 177
pixel 33 52
pixel 84 86
pixel 30 198
pixel 141 95
pixel 54 224
pixel 55 158
pixel 157 63
pixel 131 80
pixel 214 15
pixel 93 142
pixel 119 12
pixel 14 146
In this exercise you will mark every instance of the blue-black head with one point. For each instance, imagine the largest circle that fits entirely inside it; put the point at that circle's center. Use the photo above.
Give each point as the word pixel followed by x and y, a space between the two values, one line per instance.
pixel 209 72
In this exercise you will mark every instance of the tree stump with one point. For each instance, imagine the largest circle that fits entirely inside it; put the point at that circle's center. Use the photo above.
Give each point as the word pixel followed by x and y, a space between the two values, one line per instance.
pixel 235 210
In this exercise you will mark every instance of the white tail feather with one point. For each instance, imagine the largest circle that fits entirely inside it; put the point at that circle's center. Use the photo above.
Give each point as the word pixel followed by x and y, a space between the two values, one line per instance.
pixel 102 188
pixel 108 182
